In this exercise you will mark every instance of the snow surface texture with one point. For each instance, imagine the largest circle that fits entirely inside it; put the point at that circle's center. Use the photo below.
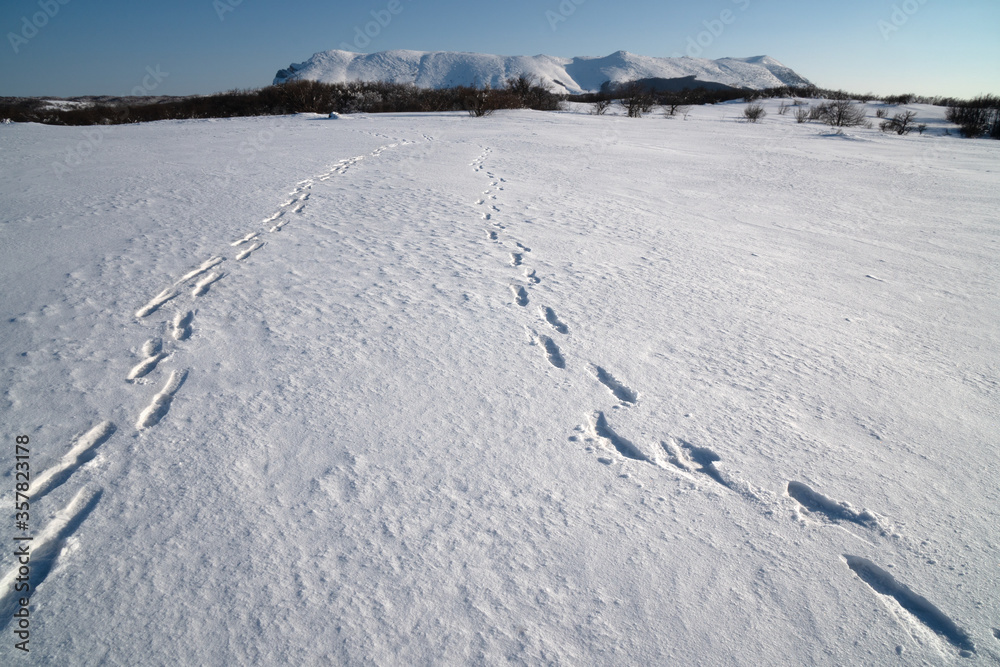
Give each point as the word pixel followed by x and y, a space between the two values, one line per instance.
pixel 542 388
pixel 444 69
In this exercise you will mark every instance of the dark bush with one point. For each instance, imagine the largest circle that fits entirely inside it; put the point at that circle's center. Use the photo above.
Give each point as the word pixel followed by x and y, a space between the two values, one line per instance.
pixel 975 118
pixel 901 123
pixel 841 113
pixel 753 112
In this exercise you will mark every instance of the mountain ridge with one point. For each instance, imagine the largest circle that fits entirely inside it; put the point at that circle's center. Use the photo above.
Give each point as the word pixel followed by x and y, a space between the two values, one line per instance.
pixel 582 74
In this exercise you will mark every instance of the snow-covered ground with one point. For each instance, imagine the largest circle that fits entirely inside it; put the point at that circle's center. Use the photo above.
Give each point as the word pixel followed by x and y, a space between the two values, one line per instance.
pixel 537 388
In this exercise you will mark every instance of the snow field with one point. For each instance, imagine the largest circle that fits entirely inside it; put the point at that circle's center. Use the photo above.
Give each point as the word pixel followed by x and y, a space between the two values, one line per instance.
pixel 549 388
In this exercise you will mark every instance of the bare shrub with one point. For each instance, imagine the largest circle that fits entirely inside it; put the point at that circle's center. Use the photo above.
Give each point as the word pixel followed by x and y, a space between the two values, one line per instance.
pixel 801 115
pixel 842 113
pixel 901 123
pixel 600 106
pixel 976 117
pixel 526 92
pixel 783 109
pixel 882 113
pixel 636 99
pixel 675 103
pixel 754 112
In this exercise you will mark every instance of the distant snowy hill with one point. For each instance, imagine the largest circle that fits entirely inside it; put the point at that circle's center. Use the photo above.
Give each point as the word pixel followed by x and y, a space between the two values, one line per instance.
pixel 442 69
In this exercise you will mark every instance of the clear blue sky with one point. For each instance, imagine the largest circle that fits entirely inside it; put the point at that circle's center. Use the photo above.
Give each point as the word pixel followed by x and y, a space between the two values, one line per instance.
pixel 80 47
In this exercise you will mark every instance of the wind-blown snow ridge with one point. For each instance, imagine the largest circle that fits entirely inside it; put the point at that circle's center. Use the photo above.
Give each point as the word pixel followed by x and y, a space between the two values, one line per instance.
pixel 444 69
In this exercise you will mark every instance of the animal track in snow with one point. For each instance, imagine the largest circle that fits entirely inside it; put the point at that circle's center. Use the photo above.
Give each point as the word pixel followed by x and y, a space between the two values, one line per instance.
pixel 246 253
pixel 814 502
pixel 918 606
pixel 160 404
pixel 523 247
pixel 553 320
pixel 79 453
pixel 45 549
pixel 274 217
pixel 531 277
pixel 204 268
pixel 172 291
pixel 690 458
pixel 552 352
pixel 182 325
pixel 156 302
pixel 516 259
pixel 620 391
pixel 202 285
pixel 493 236
pixel 520 295
pixel 152 349
pixel 252 236
pixel 600 429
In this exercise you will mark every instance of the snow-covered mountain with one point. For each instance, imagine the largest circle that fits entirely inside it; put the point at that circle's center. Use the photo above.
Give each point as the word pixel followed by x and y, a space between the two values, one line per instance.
pixel 443 69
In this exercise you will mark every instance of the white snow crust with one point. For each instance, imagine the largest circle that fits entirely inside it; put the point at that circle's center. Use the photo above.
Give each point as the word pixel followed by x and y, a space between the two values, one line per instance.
pixel 536 388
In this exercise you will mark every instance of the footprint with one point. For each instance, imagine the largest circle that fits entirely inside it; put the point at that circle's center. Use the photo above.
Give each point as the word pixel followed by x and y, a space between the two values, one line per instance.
pixel 246 239
pixel 160 404
pixel 79 453
pixel 182 325
pixel 516 258
pixel 531 277
pixel 693 459
pixel 814 502
pixel 256 246
pixel 553 320
pixel 918 606
pixel 690 458
pixel 620 391
pixel 204 268
pixel 156 302
pixel 599 428
pixel 493 236
pixel 152 349
pixel 45 550
pixel 552 352
pixel 172 292
pixel 520 295
pixel 202 285
pixel 523 247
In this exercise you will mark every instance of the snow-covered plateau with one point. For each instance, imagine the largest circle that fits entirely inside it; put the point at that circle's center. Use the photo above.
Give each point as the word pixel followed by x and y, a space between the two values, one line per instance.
pixel 535 388
pixel 445 69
